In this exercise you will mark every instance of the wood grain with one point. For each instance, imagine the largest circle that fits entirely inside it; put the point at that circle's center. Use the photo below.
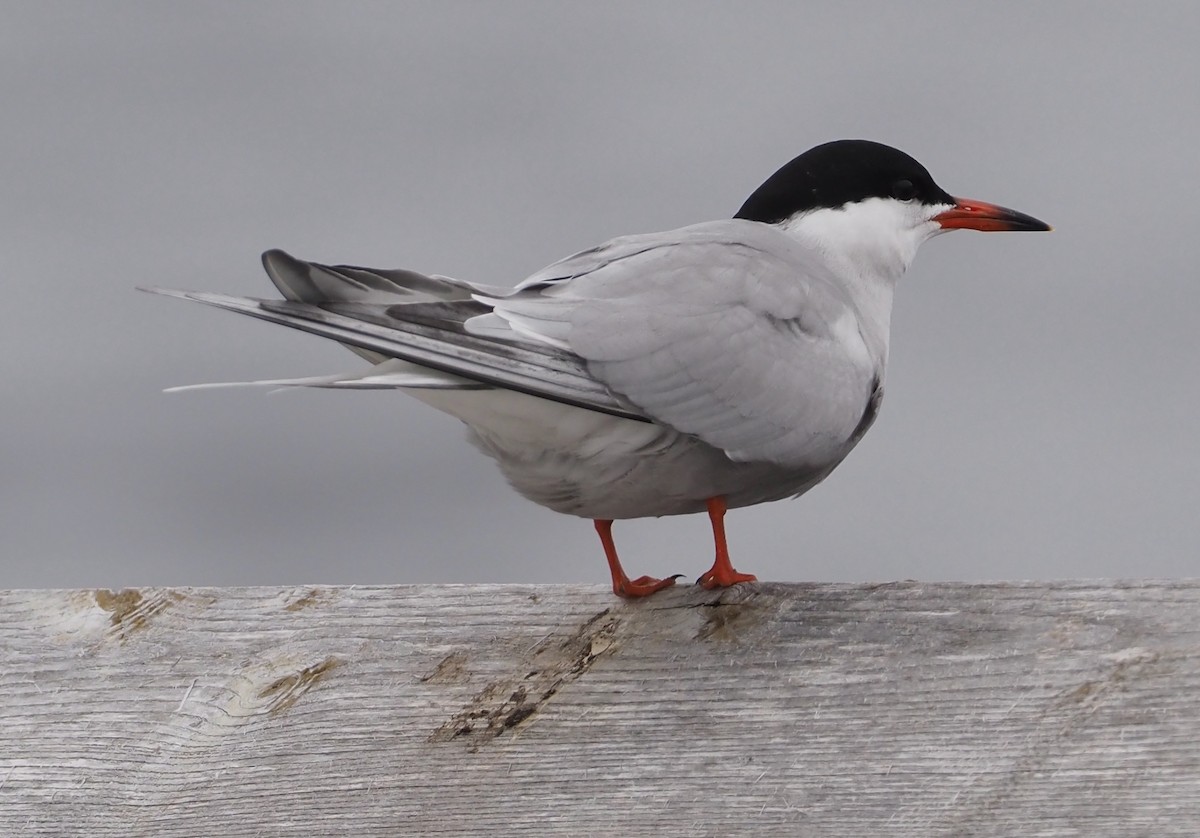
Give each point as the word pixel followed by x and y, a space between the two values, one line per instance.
pixel 1064 709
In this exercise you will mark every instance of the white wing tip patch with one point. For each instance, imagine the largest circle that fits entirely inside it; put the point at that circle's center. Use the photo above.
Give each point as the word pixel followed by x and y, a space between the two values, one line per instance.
pixel 528 327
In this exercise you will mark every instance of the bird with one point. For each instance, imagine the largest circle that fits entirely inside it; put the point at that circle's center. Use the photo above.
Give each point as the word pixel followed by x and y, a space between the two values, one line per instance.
pixel 720 365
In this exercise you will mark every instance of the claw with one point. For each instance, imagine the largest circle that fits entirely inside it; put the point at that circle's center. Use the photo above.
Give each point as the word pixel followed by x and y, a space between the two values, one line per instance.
pixel 718 578
pixel 622 587
pixel 642 586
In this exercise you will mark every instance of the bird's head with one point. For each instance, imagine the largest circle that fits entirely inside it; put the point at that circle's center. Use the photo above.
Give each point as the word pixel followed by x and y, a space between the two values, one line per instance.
pixel 868 206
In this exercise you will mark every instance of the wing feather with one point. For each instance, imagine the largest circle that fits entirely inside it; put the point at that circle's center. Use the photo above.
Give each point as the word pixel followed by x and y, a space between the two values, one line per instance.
pixel 729 331
pixel 431 335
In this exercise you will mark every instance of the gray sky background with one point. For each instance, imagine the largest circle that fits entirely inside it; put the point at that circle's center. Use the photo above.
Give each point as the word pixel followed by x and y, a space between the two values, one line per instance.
pixel 1042 393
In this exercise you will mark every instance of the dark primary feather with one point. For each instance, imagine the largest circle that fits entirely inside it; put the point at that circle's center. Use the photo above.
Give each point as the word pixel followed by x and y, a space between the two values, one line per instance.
pixel 432 335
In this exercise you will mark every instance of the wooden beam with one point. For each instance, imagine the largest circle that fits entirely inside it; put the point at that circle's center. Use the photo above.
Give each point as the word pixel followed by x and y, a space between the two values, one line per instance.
pixel 1056 709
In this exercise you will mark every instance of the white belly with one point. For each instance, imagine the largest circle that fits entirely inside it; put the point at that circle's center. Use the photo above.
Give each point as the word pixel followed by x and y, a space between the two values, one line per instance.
pixel 593 465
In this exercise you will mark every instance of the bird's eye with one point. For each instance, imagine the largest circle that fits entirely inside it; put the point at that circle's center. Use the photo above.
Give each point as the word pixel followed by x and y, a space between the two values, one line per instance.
pixel 903 190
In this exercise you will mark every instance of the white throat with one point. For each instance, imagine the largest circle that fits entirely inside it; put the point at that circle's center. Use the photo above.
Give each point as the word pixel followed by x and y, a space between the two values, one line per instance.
pixel 869 245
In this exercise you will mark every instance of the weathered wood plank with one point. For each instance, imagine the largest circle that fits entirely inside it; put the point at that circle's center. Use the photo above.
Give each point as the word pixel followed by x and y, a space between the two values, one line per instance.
pixel 910 709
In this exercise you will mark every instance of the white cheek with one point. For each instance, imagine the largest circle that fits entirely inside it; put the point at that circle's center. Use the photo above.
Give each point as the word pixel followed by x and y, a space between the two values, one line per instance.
pixel 931 228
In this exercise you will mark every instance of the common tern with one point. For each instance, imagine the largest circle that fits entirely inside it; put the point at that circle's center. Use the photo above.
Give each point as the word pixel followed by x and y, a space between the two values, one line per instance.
pixel 716 366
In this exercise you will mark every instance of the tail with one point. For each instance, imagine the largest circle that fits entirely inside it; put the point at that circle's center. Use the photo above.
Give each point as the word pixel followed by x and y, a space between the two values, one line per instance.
pixel 420 332
pixel 392 374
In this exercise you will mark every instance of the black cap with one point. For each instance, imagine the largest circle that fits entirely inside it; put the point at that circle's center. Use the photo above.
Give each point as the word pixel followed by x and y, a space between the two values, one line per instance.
pixel 838 173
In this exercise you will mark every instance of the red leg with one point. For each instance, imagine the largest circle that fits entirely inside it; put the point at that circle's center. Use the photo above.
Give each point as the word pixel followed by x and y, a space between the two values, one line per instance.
pixel 643 585
pixel 721 574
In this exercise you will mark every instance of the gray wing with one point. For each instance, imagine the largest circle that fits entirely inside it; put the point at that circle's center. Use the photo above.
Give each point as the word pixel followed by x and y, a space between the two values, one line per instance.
pixel 312 282
pixel 405 315
pixel 431 335
pixel 729 331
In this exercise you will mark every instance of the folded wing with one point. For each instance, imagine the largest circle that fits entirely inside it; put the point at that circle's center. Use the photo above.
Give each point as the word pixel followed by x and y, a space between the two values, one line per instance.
pixel 431 336
pixel 729 331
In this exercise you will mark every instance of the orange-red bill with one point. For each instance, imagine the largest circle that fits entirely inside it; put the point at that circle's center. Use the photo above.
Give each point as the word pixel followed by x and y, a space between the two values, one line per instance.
pixel 969 214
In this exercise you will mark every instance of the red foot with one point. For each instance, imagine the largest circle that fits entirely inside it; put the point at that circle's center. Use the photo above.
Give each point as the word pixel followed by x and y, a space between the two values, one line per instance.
pixel 721 578
pixel 642 586
pixel 622 587
pixel 721 574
